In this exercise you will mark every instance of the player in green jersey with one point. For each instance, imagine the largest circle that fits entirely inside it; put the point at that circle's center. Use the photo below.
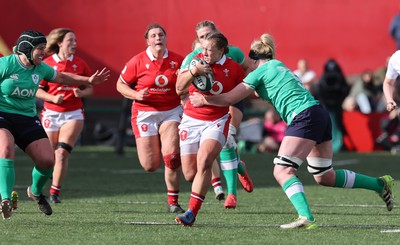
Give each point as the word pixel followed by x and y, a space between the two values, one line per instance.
pixel 308 136
pixel 20 74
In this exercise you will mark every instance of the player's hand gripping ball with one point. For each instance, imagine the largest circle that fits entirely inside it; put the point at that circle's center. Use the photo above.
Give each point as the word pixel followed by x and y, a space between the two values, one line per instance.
pixel 203 83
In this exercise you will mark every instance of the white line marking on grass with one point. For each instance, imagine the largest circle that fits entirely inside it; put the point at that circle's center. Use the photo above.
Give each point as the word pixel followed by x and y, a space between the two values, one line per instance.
pixel 345 162
pixel 137 202
pixel 148 223
pixel 350 205
pixel 390 231
pixel 200 224
pixel 361 226
pixel 130 171
pixel 268 225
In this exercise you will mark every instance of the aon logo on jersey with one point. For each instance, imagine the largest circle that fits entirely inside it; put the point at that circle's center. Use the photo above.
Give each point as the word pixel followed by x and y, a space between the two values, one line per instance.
pixel 24 92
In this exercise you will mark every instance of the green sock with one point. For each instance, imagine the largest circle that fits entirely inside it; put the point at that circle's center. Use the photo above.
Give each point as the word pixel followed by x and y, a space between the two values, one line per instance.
pixel 295 191
pixel 240 165
pixel 39 178
pixel 349 179
pixel 7 177
pixel 229 169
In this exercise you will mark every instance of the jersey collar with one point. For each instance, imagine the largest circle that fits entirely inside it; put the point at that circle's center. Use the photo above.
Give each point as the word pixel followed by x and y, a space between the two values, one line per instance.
pixel 151 56
pixel 222 60
pixel 58 60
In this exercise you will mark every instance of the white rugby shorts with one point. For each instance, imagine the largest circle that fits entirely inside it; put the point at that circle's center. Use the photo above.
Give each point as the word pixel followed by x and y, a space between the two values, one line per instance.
pixel 53 120
pixel 192 132
pixel 147 123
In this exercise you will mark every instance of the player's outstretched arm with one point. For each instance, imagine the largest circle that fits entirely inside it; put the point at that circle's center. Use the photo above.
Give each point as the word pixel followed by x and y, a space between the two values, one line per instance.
pixel 237 94
pixel 72 79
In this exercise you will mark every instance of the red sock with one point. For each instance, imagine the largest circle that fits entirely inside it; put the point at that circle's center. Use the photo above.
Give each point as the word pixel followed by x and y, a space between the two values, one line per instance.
pixel 173 197
pixel 216 182
pixel 55 190
pixel 195 202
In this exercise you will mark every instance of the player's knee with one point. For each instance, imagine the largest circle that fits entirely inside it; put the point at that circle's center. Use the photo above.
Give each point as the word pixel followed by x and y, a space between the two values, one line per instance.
pixel 288 161
pixel 172 161
pixel 150 166
pixel 64 146
pixel 286 165
pixel 189 175
pixel 46 162
pixel 319 167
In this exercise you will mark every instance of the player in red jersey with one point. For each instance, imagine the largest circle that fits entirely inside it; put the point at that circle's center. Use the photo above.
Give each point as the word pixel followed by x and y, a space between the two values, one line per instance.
pixel 230 161
pixel 203 131
pixel 149 79
pixel 63 115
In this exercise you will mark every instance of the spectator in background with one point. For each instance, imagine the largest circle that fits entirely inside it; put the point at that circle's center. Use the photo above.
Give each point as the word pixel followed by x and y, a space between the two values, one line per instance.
pixel 149 80
pixel 274 131
pixel 365 95
pixel 394 29
pixel 63 114
pixel 306 75
pixel 332 91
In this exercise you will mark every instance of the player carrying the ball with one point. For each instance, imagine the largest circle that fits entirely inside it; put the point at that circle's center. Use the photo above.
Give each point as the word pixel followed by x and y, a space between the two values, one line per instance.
pixel 233 168
pixel 203 131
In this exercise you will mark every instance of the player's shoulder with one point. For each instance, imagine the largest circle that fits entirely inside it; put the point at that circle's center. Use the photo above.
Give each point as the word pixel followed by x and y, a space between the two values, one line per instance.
pixel 236 54
pixel 175 55
pixel 79 59
pixel 8 58
pixel 138 57
pixel 395 55
pixel 235 49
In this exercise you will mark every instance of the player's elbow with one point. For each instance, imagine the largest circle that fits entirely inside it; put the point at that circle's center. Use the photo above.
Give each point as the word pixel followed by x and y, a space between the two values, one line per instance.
pixel 181 91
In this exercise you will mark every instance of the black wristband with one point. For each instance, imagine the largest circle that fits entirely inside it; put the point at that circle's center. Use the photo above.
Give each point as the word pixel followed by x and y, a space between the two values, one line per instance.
pixel 190 70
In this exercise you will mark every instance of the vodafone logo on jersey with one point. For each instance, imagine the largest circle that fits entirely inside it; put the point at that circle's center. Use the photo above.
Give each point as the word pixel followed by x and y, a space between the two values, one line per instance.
pixel 216 88
pixel 144 127
pixel 183 135
pixel 161 81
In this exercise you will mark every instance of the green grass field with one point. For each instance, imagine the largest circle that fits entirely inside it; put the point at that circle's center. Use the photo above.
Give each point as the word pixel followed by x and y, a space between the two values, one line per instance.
pixel 109 199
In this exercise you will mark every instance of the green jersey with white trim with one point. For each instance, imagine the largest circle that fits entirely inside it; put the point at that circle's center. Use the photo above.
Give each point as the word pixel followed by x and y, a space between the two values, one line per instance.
pixel 234 53
pixel 19 84
pixel 278 85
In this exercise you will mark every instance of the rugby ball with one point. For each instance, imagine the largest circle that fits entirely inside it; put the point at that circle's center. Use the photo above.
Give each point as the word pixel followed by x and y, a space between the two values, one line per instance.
pixel 203 83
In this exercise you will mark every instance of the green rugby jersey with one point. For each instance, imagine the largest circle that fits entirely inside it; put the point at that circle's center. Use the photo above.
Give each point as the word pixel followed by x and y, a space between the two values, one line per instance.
pixel 279 86
pixel 19 84
pixel 234 53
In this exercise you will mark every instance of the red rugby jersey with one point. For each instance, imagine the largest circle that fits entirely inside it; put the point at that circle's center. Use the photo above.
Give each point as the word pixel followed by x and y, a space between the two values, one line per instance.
pixel 144 71
pixel 227 74
pixel 74 65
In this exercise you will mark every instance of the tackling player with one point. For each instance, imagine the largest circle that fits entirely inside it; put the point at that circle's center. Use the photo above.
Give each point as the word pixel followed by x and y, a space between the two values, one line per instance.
pixel 308 135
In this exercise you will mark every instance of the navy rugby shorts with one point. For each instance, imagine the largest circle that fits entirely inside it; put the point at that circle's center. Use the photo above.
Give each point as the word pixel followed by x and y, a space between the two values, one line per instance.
pixel 313 123
pixel 24 129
